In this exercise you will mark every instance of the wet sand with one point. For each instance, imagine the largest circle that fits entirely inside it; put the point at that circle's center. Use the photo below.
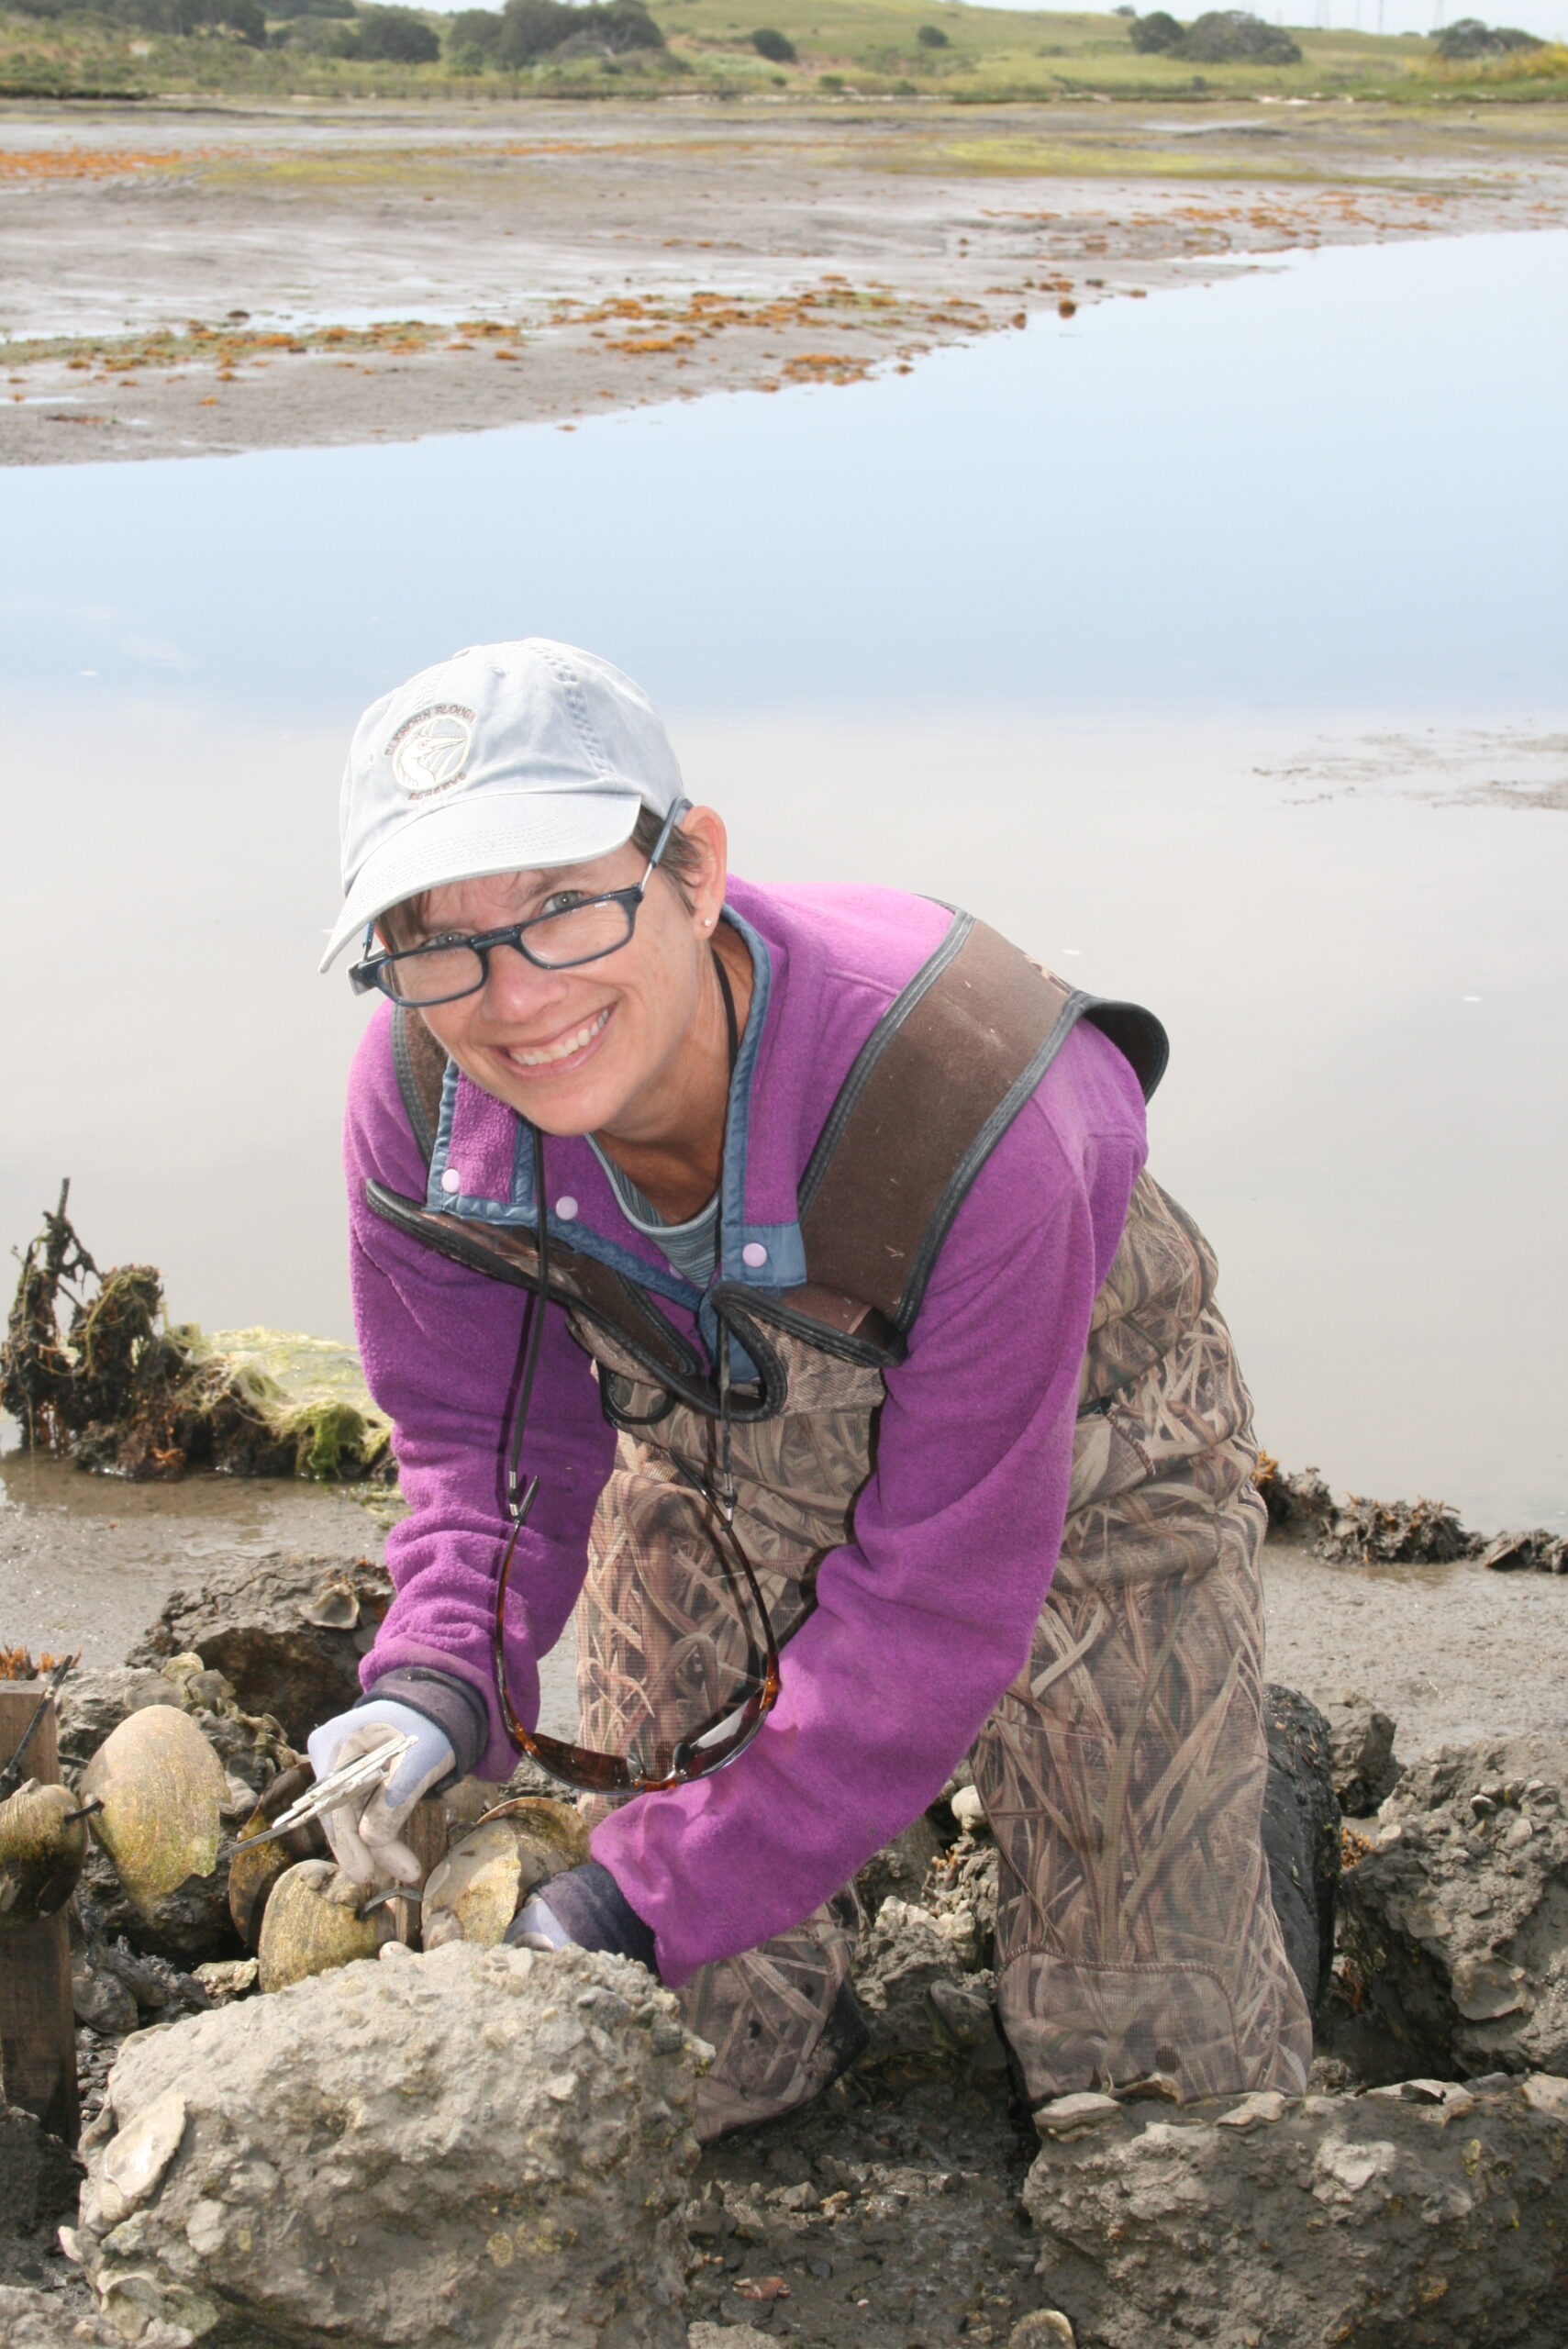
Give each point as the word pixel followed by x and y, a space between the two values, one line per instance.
pixel 188 282
pixel 87 1562
pixel 1453 1652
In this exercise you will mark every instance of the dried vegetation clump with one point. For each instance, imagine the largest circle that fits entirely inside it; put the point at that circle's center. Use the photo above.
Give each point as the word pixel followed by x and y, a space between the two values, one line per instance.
pixel 92 1369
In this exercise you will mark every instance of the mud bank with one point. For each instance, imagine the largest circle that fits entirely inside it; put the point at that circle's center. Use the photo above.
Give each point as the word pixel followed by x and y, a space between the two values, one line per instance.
pixel 191 282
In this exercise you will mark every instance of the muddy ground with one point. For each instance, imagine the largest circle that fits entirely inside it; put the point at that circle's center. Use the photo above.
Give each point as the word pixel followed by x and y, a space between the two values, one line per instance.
pixel 202 279
pixel 1455 1653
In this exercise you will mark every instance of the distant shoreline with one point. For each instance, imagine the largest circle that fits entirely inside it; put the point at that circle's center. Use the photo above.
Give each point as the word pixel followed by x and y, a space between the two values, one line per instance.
pixel 188 284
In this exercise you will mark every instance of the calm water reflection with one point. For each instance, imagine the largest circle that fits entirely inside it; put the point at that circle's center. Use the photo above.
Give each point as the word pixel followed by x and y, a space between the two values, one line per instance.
pixel 1020 630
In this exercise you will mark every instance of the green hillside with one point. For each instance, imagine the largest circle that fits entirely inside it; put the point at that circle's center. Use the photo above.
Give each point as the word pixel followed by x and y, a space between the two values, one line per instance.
pixel 833 50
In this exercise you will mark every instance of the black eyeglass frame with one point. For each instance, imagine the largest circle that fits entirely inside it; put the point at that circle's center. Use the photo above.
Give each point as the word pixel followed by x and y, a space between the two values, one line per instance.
pixel 371 971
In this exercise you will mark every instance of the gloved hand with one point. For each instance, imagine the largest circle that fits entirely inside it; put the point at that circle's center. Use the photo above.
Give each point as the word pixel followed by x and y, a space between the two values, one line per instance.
pixel 364 1831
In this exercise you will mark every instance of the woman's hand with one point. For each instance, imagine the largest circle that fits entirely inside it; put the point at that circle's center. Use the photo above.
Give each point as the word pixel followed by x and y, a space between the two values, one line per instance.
pixel 364 1830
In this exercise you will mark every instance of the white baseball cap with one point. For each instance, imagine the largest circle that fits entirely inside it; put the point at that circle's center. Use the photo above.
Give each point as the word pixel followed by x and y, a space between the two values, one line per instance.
pixel 503 759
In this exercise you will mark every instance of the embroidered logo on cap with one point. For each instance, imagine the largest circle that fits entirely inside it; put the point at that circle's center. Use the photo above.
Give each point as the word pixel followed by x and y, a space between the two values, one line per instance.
pixel 430 751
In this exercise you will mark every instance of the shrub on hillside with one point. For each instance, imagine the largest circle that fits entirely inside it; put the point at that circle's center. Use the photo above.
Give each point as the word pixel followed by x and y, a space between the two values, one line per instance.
pixel 534 29
pixel 931 37
pixel 1226 35
pixel 1222 37
pixel 394 36
pixel 472 38
pixel 1468 36
pixel 288 9
pixel 776 47
pixel 1157 31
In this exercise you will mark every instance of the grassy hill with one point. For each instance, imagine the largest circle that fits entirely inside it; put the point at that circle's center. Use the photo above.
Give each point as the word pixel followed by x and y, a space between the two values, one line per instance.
pixel 845 52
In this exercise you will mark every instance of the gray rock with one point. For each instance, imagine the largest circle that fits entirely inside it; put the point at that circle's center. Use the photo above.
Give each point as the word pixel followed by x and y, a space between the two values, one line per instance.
pixel 927 1999
pixel 1301 1833
pixel 476 2147
pixel 900 1870
pixel 1366 1771
pixel 1454 1926
pixel 286 1629
pixel 35 2320
pixel 188 1926
pixel 91 1704
pixel 39 2178
pixel 1422 2219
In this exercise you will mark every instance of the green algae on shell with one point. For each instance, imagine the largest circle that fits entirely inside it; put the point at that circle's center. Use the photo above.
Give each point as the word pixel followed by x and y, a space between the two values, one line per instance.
pixel 474 1892
pixel 253 1874
pixel 43 1841
pixel 163 1790
pixel 311 1924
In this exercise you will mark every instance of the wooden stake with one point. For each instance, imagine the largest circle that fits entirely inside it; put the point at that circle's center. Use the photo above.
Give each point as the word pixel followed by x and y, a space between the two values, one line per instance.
pixel 37 2028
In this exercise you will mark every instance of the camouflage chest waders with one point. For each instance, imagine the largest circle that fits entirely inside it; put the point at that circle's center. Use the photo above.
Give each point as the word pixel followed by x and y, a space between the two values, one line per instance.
pixel 1123 1772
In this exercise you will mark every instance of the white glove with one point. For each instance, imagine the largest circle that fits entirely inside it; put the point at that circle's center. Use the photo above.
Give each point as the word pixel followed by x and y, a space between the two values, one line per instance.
pixel 363 1830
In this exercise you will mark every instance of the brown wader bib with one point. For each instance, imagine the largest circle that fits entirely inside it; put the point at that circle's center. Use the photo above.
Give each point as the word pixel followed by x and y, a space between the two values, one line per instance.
pixel 1123 1772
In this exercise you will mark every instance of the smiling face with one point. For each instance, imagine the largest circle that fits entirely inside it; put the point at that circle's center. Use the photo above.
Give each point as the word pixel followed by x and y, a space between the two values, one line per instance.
pixel 617 1046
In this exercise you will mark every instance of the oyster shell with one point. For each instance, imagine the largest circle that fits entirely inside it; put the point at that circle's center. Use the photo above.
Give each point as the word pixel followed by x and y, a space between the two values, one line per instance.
pixel 163 1790
pixel 478 1888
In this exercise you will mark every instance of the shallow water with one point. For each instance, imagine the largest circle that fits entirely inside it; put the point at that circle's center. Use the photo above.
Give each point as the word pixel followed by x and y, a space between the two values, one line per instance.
pixel 1183 642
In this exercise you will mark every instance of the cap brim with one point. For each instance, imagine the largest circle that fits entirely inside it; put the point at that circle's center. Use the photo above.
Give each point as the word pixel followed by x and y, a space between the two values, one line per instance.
pixel 514 832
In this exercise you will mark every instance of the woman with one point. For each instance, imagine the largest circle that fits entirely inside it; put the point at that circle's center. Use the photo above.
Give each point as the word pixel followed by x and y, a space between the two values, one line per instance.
pixel 863 1333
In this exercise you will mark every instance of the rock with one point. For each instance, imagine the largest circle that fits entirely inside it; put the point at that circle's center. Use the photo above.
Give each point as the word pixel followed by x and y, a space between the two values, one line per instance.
pixel 900 1869
pixel 227 1978
pixel 112 1987
pixel 1301 1833
pixel 729 2336
pixel 927 2000
pixel 92 1704
pixel 35 2320
pixel 1454 1926
pixel 475 2147
pixel 1537 1552
pixel 286 1629
pixel 38 2175
pixel 1366 1771
pixel 1397 1533
pixel 1358 2219
pixel 188 1926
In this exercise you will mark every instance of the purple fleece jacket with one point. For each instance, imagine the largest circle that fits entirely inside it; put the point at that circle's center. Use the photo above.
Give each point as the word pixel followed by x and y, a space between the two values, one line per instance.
pixel 925 1617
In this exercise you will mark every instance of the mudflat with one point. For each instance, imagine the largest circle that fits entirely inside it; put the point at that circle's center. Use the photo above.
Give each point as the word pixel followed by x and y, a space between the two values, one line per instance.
pixel 196 279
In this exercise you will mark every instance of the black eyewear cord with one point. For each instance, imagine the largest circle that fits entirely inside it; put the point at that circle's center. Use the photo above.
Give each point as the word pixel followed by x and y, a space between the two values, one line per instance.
pixel 726 1733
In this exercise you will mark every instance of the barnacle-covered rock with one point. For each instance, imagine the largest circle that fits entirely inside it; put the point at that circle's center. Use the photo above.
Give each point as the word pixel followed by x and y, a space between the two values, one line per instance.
pixel 163 1791
pixel 1425 2213
pixel 43 1840
pixel 474 1892
pixel 475 2147
pixel 312 1925
pixel 287 1631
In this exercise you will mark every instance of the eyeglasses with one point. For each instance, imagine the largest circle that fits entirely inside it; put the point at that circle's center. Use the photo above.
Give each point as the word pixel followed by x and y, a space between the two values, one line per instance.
pixel 674 1750
pixel 449 968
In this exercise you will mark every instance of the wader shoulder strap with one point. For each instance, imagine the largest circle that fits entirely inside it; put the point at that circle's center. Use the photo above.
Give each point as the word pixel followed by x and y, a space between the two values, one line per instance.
pixel 932 1091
